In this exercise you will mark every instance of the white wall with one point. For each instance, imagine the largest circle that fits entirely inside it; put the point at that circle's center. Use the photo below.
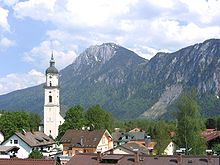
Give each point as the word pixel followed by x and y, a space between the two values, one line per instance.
pixel 24 150
pixel 170 149
pixel 105 144
pixel 120 150
pixel 52 117
pixel 1 137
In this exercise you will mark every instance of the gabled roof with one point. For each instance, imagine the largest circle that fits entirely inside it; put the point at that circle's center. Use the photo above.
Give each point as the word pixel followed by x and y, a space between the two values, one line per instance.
pixel 134 146
pixel 16 161
pixel 34 139
pixel 8 148
pixel 135 135
pixel 83 139
pixel 116 135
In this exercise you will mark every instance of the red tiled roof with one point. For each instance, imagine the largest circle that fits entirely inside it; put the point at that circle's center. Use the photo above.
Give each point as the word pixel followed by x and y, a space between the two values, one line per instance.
pixel 80 138
pixel 16 161
pixel 34 139
pixel 91 159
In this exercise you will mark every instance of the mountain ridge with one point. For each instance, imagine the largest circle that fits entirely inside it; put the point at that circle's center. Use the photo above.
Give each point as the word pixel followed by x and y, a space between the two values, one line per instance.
pixel 133 86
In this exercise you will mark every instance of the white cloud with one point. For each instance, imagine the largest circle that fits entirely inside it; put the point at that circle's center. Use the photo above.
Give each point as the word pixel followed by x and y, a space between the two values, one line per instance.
pixel 36 9
pixel 9 2
pixel 39 56
pixel 176 35
pixel 170 24
pixel 16 81
pixel 6 43
pixel 206 10
pixel 4 19
pixel 147 52
pixel 74 12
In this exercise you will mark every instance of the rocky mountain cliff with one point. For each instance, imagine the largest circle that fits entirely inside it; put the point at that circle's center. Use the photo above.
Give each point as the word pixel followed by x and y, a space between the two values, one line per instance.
pixel 129 86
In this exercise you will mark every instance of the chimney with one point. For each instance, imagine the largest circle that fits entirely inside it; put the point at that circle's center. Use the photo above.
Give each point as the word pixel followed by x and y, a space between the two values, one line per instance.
pixel 179 159
pixel 23 131
pixel 136 155
pixel 99 158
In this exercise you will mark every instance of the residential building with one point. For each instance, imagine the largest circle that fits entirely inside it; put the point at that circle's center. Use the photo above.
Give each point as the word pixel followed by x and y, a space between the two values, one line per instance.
pixel 170 149
pixel 129 148
pixel 29 141
pixel 134 135
pixel 85 141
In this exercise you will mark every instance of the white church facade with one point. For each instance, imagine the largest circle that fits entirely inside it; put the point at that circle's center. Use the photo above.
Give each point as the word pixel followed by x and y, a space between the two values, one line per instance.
pixel 52 117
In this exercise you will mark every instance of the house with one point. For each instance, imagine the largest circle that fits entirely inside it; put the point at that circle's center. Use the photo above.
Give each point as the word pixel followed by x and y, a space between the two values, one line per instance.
pixel 29 141
pixel 170 149
pixel 129 148
pixel 84 141
pixel 8 151
pixel 27 162
pixel 136 159
pixel 212 137
pixel 134 135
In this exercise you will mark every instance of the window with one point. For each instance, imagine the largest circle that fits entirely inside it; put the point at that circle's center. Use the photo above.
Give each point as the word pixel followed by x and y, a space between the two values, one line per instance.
pixel 15 141
pixel 11 141
pixel 50 83
pixel 50 99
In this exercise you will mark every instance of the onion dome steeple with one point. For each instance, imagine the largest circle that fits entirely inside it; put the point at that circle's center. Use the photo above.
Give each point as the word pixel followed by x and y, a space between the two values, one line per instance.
pixel 52 68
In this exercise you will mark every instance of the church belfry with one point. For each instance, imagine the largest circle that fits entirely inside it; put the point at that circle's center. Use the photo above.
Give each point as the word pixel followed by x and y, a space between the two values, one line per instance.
pixel 52 117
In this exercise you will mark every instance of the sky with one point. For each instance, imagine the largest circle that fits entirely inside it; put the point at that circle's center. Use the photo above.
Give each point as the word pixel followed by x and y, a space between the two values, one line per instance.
pixel 31 29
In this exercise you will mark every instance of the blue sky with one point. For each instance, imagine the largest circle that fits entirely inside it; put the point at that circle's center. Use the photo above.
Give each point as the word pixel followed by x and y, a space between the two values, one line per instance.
pixel 30 29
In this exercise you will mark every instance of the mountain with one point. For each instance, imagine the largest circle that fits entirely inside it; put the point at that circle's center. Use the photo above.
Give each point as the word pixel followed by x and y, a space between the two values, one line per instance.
pixel 129 86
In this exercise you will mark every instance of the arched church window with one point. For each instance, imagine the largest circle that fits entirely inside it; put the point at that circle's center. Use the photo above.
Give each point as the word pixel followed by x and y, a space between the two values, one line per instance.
pixel 50 99
pixel 50 83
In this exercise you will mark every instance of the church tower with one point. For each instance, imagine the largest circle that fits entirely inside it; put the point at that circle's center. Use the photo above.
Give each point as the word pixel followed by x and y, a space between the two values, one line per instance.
pixel 52 117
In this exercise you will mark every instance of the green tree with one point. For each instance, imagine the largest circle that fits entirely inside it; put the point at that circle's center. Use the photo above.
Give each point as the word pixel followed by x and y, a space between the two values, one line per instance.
pixel 190 125
pixel 10 122
pixel 74 119
pixel 35 154
pixel 218 123
pixel 98 118
pixel 162 137
pixel 216 148
pixel 34 121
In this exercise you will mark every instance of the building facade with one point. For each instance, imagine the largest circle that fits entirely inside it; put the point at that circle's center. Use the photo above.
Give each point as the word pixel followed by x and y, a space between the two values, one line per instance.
pixel 52 117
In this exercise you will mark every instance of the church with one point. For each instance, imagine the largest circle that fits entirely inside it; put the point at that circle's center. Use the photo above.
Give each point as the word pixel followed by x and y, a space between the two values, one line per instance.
pixel 52 117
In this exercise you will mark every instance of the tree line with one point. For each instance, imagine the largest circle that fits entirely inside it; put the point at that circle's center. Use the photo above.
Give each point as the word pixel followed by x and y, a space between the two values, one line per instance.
pixel 187 126
pixel 11 122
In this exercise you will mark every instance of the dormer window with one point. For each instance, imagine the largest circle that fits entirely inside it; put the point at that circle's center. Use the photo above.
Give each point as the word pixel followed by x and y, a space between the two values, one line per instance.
pixel 50 99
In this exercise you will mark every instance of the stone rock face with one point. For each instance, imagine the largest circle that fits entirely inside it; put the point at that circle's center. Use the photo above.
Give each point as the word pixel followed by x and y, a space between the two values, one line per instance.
pixel 129 86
